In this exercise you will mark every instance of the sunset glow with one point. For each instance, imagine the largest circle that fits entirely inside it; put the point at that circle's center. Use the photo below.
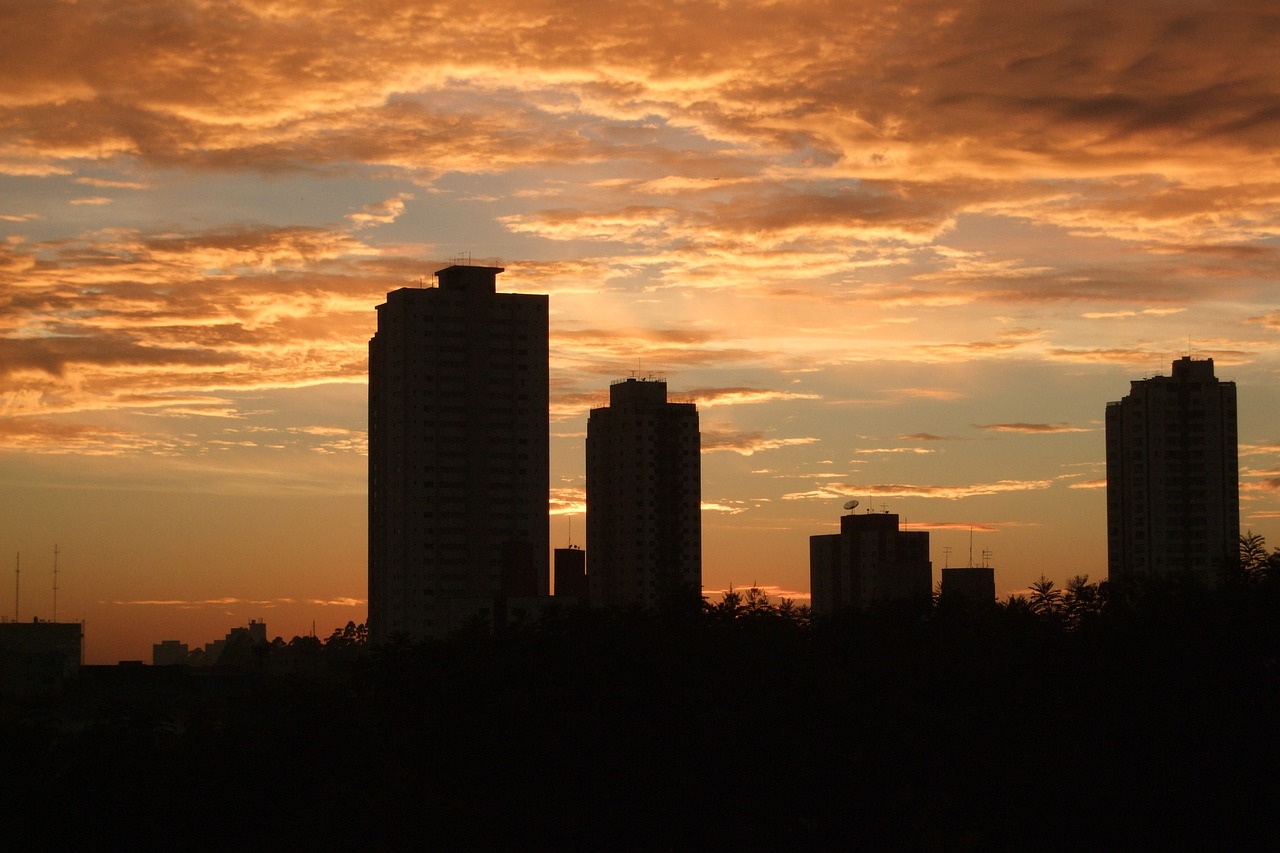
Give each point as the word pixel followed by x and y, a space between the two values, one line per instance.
pixel 900 253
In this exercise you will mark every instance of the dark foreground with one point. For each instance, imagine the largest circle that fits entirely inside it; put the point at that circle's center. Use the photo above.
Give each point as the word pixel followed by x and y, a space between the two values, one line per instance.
pixel 1143 727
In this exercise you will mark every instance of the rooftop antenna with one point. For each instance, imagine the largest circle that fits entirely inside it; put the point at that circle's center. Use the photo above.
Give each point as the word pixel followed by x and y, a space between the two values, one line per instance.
pixel 971 546
pixel 946 556
pixel 570 531
pixel 17 583
pixel 55 582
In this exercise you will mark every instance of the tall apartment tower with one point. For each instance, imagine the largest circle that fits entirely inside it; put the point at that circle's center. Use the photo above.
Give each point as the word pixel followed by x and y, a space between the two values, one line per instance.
pixel 870 561
pixel 644 496
pixel 1173 488
pixel 458 454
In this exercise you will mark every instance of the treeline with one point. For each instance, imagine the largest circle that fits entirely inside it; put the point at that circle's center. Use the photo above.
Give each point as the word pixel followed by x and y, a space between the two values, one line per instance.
pixel 1080 716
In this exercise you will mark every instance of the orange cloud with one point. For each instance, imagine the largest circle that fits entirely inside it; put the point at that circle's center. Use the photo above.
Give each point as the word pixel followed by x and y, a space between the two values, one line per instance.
pixel 1270 321
pixel 1031 428
pixel 568 500
pixel 745 443
pixel 833 491
pixel 1100 483
pixel 892 450
pixel 382 212
pixel 709 397
pixel 976 527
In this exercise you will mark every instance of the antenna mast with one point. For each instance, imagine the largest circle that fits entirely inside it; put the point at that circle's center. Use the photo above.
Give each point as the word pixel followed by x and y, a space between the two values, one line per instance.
pixel 55 582
pixel 17 583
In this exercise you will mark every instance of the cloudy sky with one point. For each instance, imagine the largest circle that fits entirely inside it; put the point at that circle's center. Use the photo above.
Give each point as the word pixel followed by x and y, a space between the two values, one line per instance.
pixel 903 253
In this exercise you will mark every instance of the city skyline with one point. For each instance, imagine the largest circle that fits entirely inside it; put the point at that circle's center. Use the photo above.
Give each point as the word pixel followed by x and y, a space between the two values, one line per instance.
pixel 904 255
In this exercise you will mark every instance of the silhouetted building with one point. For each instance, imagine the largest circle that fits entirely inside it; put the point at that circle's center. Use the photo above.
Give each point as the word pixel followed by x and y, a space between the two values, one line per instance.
pixel 458 454
pixel 644 494
pixel 257 630
pixel 1173 488
pixel 235 648
pixel 972 585
pixel 37 657
pixel 169 653
pixel 571 574
pixel 870 561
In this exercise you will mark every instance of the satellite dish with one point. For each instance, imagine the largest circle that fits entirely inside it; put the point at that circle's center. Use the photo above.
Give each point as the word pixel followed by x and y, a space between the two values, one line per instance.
pixel 850 504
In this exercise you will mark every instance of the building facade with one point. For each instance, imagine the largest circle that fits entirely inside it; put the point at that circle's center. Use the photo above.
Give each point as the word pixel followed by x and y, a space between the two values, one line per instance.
pixel 971 585
pixel 869 562
pixel 644 496
pixel 39 657
pixel 1173 487
pixel 458 455
pixel 570 567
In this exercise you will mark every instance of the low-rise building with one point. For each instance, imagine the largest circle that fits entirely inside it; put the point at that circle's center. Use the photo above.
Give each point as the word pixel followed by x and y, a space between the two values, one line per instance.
pixel 870 561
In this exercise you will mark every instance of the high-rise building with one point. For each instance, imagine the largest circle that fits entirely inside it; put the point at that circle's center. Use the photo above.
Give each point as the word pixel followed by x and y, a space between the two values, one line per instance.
pixel 458 454
pixel 1173 483
pixel 644 494
pixel 870 561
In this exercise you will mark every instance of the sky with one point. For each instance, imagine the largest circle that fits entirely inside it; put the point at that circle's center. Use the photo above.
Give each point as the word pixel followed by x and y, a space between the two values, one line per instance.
pixel 901 253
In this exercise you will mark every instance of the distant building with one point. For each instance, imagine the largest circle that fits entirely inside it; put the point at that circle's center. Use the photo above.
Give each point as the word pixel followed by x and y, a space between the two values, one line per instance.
pixel 571 574
pixel 1173 482
pixel 870 561
pixel 644 493
pixel 458 456
pixel 38 657
pixel 972 585
pixel 169 653
pixel 234 648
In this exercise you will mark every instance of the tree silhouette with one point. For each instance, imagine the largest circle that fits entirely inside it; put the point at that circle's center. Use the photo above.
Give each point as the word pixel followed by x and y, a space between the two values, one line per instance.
pixel 1046 599
pixel 729 607
pixel 1017 604
pixel 1253 554
pixel 1082 600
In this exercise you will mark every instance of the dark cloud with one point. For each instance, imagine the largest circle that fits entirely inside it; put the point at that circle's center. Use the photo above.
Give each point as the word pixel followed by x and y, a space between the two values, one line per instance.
pixel 52 355
pixel 1069 81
